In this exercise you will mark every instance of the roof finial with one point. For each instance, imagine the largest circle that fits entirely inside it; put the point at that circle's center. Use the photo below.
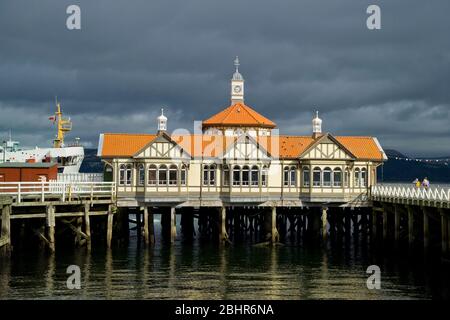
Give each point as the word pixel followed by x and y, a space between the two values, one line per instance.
pixel 162 122
pixel 236 63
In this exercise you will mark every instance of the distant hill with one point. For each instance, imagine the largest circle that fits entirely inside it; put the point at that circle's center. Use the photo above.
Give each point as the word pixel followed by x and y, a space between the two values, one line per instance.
pixel 401 170
pixel 393 170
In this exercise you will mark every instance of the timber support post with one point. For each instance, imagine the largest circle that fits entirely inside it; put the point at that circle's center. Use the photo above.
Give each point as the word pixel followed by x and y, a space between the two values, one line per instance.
pixel 426 229
pixel 374 224
pixel 444 232
pixel 5 232
pixel 324 223
pixel 51 223
pixel 223 236
pixel 397 224
pixel 109 226
pixel 411 235
pixel 87 225
pixel 270 222
pixel 385 223
pixel 146 227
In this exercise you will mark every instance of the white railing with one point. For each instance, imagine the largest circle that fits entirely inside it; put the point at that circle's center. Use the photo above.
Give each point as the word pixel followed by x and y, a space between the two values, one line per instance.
pixel 410 192
pixel 79 177
pixel 63 190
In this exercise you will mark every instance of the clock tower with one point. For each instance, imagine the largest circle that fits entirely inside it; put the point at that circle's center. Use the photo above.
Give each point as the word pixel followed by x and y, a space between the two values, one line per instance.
pixel 237 85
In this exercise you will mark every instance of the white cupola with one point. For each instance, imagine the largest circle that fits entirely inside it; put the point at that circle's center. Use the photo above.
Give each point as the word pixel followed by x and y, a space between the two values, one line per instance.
pixel 162 122
pixel 317 126
pixel 237 84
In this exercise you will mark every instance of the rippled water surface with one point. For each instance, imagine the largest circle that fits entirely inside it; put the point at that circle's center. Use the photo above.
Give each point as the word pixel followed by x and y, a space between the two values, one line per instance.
pixel 206 271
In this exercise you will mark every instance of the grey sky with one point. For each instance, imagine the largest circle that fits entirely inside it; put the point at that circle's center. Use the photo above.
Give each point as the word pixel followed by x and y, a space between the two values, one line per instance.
pixel 132 57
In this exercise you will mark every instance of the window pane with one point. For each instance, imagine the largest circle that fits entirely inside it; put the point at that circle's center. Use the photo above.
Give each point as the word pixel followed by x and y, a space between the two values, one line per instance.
pixel 337 178
pixel 152 176
pixel 162 177
pixel 286 177
pixel 306 178
pixel 264 177
pixel 183 177
pixel 236 177
pixel 205 176
pixel 226 177
pixel 141 175
pixel 212 177
pixel 293 177
pixel 327 177
pixel 173 176
pixel 255 177
pixel 316 177
pixel 245 176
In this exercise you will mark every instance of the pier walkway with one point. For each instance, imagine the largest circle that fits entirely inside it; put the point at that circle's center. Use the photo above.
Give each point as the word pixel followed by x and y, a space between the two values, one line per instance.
pixel 70 205
pixel 416 214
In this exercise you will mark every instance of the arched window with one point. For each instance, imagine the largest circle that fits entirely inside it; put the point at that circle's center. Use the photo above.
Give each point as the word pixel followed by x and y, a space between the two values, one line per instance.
pixel 357 177
pixel 162 175
pixel 128 174
pixel 152 175
pixel 327 177
pixel 122 174
pixel 183 175
pixel 317 177
pixel 337 177
pixel 286 176
pixel 264 176
pixel 236 176
pixel 363 179
pixel 293 176
pixel 226 175
pixel 205 175
pixel 255 176
pixel 245 175
pixel 306 176
pixel 141 174
pixel 212 175
pixel 173 175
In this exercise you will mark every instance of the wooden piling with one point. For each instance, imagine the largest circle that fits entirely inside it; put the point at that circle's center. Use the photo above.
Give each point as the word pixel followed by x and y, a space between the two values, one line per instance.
pixel 223 236
pixel 146 231
pixel 87 225
pixel 270 225
pixel 444 232
pixel 426 229
pixel 5 234
pixel 411 235
pixel 109 226
pixel 51 222
pixel 173 225
pixel 397 224
pixel 374 224
pixel 324 223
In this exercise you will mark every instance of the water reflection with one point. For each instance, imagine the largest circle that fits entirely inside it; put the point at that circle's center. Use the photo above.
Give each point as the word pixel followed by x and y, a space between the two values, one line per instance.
pixel 208 271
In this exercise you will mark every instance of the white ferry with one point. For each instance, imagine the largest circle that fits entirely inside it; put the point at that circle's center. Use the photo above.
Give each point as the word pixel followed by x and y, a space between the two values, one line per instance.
pixel 68 157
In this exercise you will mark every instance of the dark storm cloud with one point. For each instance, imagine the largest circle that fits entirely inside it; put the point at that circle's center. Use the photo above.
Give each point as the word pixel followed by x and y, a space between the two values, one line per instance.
pixel 133 57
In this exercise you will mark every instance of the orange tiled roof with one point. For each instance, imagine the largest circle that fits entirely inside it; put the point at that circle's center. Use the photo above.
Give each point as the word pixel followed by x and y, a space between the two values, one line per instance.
pixel 286 147
pixel 238 114
pixel 123 144
pixel 362 147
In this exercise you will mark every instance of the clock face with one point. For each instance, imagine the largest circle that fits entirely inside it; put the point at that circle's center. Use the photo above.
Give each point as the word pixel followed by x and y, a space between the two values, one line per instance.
pixel 237 89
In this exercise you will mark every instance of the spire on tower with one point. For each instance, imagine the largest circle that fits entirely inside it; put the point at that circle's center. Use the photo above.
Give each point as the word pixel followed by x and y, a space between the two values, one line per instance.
pixel 236 63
